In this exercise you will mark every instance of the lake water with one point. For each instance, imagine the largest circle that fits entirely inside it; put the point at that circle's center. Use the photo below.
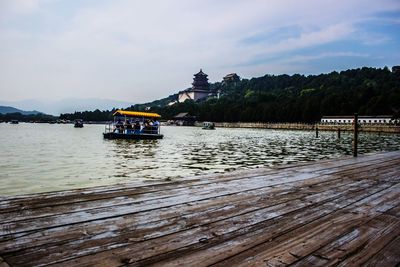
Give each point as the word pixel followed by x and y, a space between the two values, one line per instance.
pixel 49 157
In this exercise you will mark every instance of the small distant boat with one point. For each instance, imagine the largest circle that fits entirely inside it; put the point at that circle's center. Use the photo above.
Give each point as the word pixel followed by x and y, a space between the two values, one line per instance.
pixel 14 122
pixel 208 125
pixel 78 124
pixel 133 125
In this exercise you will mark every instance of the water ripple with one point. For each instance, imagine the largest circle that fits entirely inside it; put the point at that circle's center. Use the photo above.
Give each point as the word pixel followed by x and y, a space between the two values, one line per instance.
pixel 43 157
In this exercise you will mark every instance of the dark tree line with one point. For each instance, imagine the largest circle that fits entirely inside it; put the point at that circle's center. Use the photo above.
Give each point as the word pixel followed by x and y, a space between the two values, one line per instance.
pixel 40 117
pixel 96 115
pixel 285 98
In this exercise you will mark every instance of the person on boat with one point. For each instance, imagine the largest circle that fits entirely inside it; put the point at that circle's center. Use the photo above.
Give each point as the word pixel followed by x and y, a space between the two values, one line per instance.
pixel 128 127
pixel 147 127
pixel 137 127
pixel 156 124
pixel 119 126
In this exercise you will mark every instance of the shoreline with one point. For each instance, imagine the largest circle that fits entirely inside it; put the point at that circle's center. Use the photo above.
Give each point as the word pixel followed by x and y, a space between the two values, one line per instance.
pixel 308 127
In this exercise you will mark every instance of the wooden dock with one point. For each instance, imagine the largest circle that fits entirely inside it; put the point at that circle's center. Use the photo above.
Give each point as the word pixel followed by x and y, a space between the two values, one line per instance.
pixel 343 212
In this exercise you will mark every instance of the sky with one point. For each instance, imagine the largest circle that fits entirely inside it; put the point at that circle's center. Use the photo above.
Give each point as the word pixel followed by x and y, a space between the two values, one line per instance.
pixel 139 51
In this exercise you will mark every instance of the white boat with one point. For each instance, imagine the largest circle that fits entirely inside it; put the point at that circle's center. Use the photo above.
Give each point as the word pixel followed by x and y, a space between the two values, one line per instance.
pixel 208 125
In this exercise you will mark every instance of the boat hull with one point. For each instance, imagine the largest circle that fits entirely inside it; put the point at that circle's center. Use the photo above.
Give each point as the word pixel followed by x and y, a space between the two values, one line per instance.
pixel 141 136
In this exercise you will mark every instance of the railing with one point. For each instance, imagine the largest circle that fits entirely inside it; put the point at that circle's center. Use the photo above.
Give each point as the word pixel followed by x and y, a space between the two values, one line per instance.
pixel 123 129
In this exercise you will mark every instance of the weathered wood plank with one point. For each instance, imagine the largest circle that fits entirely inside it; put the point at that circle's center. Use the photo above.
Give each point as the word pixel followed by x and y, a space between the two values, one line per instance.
pixel 169 200
pixel 253 199
pixel 374 243
pixel 149 230
pixel 135 192
pixel 342 240
pixel 354 241
pixel 29 213
pixel 218 231
pixel 241 248
pixel 387 256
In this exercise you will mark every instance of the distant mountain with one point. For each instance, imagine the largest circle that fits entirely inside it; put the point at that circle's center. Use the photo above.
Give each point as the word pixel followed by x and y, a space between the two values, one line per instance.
pixel 7 110
pixel 67 105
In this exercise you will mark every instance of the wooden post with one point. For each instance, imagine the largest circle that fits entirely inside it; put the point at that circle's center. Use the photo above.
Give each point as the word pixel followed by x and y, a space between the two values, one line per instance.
pixel 316 131
pixel 355 139
pixel 338 133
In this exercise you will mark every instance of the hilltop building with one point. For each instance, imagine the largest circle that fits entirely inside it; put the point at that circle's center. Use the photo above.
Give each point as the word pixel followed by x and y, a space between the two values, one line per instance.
pixel 231 78
pixel 200 88
pixel 184 119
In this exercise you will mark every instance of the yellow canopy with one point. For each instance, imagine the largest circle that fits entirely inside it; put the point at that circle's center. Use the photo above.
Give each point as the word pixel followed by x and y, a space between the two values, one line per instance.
pixel 136 114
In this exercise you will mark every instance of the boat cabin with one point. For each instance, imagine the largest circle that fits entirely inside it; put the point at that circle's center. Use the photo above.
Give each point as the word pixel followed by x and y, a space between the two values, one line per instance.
pixel 208 125
pixel 133 125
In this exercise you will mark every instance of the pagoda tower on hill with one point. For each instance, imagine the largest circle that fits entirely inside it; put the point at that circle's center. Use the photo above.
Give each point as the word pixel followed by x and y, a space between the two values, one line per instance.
pixel 200 82
pixel 200 88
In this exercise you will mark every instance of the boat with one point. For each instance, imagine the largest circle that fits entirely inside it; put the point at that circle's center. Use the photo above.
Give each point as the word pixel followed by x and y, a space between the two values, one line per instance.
pixel 78 124
pixel 208 125
pixel 14 121
pixel 133 125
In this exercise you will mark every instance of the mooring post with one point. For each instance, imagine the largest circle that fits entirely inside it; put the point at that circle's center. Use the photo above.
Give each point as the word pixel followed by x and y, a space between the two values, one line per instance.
pixel 355 139
pixel 316 131
pixel 338 133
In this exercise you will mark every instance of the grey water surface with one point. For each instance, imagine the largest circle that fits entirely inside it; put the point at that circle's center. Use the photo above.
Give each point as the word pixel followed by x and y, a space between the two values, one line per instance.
pixel 48 157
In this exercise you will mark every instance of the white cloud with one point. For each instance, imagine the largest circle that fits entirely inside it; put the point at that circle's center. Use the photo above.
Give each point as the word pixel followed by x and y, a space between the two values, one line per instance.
pixel 324 55
pixel 306 39
pixel 143 50
pixel 17 7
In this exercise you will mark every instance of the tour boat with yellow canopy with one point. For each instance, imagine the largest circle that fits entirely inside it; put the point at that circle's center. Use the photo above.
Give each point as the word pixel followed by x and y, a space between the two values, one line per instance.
pixel 133 125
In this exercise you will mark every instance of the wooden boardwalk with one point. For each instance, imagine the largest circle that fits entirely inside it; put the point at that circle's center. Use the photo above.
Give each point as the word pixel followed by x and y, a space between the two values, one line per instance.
pixel 343 212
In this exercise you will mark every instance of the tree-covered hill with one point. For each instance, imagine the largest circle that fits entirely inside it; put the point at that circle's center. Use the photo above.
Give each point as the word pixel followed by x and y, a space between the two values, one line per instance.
pixel 96 115
pixel 38 117
pixel 298 98
pixel 295 98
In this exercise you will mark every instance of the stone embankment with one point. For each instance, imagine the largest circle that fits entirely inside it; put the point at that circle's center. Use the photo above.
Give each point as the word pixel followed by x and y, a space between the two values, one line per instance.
pixel 385 128
pixel 304 126
pixel 264 125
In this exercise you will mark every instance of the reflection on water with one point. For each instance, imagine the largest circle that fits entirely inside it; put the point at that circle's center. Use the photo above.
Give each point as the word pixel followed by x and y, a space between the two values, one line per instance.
pixel 43 157
pixel 128 157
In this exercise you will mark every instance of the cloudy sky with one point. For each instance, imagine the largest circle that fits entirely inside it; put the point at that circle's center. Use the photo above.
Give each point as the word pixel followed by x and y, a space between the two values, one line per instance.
pixel 139 51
